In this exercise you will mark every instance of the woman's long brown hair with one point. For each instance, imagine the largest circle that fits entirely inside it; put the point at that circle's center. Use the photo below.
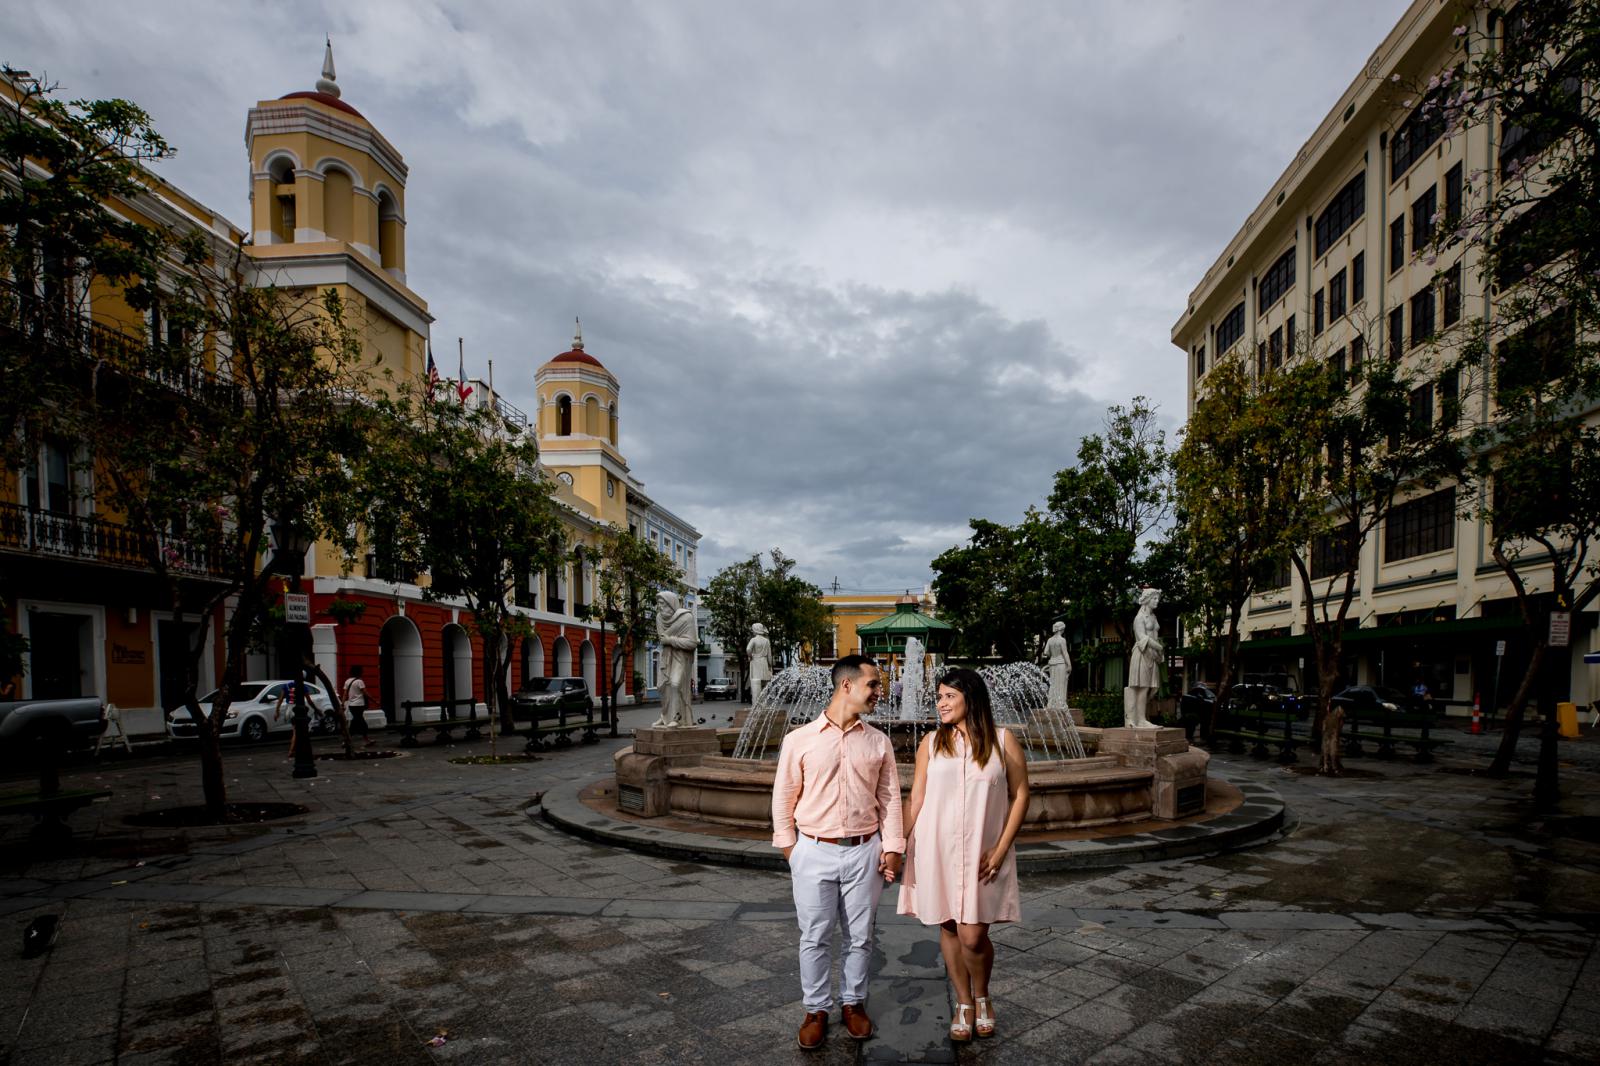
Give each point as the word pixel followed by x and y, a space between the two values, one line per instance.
pixel 981 734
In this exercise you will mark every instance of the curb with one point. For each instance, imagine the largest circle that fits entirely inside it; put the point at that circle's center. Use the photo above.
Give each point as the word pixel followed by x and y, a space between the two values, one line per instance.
pixel 1260 819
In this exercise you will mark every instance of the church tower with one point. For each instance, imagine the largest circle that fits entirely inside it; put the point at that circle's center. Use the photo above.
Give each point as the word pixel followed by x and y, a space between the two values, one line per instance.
pixel 327 209
pixel 577 428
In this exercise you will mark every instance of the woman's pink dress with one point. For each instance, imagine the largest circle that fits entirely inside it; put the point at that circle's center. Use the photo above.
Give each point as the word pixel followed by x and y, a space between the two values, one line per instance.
pixel 964 808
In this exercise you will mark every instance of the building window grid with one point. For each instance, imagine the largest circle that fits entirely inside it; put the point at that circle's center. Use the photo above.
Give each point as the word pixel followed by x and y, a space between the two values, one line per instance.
pixel 1453 196
pixel 1275 348
pixel 1231 328
pixel 1358 347
pixel 1342 212
pixel 1419 132
pixel 1397 244
pixel 1358 278
pixel 1420 527
pixel 1336 297
pixel 1422 321
pixel 1278 279
pixel 1450 295
pixel 1200 361
pixel 1423 208
pixel 1397 332
pixel 1316 314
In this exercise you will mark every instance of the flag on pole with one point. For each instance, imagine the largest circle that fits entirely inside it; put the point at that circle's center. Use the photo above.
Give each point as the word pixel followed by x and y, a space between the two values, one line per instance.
pixel 463 390
pixel 433 373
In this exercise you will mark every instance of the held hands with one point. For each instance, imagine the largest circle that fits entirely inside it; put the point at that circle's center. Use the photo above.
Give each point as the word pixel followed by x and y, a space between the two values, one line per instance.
pixel 989 864
pixel 889 866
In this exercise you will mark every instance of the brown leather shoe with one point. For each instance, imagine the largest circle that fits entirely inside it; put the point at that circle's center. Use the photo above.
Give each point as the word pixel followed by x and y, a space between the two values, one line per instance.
pixel 813 1030
pixel 856 1022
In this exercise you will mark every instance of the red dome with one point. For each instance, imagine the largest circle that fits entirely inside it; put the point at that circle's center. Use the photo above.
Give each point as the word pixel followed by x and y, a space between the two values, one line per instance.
pixel 323 98
pixel 577 356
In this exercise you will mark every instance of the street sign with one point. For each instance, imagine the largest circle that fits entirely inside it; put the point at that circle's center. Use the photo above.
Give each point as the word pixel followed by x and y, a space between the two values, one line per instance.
pixel 1499 648
pixel 297 607
pixel 1560 629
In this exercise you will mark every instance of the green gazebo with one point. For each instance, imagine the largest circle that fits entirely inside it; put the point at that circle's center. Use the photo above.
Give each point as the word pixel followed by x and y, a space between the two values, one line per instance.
pixel 887 635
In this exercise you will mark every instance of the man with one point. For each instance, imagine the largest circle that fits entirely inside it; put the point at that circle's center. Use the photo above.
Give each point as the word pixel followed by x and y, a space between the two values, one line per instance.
pixel 836 790
pixel 355 703
pixel 679 638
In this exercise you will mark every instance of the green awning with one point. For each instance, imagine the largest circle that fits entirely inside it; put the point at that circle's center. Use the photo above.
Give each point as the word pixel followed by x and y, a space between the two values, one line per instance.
pixel 1455 627
pixel 887 635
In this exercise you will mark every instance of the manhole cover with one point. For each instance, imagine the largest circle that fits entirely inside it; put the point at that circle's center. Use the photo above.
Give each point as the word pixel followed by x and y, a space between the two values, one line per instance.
pixel 236 813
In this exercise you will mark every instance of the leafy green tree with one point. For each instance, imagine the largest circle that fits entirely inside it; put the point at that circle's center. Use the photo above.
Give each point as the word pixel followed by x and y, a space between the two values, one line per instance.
pixel 791 608
pixel 730 599
pixel 455 491
pixel 628 575
pixel 1004 587
pixel 1238 526
pixel 1536 233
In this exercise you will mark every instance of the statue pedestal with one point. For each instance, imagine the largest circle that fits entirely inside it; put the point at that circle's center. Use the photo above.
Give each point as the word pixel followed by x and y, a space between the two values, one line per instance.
pixel 1180 784
pixel 642 769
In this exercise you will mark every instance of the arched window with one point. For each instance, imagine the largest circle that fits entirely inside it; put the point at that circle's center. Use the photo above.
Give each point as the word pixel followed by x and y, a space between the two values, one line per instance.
pixel 338 205
pixel 388 231
pixel 613 433
pixel 591 416
pixel 283 215
pixel 564 416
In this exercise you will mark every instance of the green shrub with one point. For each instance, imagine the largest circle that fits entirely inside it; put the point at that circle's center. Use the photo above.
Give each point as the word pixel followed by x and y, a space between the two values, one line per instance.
pixel 1102 710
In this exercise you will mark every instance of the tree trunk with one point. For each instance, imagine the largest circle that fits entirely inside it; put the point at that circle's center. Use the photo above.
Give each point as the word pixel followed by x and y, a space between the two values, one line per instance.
pixel 1511 731
pixel 1330 719
pixel 339 712
pixel 1230 651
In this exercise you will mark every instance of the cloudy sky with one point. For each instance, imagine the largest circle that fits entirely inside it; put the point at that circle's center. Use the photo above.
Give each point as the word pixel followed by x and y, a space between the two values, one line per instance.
pixel 864 270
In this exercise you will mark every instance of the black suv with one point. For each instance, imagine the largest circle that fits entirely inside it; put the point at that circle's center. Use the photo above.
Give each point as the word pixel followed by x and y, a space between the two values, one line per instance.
pixel 546 697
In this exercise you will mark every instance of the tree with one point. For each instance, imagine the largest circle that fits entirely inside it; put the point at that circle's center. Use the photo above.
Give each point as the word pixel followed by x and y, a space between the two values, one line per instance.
pixel 791 608
pixel 1004 587
pixel 455 490
pixel 1237 524
pixel 628 575
pixel 1536 233
pixel 730 599
pixel 1105 507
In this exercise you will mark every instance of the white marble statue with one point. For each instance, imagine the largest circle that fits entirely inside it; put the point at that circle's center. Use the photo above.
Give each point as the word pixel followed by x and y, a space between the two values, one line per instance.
pixel 759 651
pixel 679 638
pixel 1145 664
pixel 1060 666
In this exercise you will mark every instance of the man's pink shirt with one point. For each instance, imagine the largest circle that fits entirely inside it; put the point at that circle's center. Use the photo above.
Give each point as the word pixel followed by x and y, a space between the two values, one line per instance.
pixel 837 783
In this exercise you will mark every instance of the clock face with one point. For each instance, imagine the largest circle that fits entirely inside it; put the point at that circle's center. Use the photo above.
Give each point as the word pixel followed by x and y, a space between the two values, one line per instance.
pixel 566 478
pixel 611 486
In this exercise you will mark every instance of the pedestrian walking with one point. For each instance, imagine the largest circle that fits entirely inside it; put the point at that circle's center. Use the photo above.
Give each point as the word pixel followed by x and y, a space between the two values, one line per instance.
pixel 355 702
pixel 968 798
pixel 836 815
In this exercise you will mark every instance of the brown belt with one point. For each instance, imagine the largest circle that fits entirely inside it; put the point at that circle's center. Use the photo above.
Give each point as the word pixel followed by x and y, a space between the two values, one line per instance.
pixel 843 842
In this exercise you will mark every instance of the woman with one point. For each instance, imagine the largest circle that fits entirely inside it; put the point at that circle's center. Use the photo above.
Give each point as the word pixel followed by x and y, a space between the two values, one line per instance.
pixel 968 798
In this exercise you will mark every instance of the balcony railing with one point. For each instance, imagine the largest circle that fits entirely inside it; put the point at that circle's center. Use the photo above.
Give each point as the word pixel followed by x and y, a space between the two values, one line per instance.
pixel 92 539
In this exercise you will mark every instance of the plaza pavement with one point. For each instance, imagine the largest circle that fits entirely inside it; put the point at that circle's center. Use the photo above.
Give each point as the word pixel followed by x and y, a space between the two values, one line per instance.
pixel 1413 915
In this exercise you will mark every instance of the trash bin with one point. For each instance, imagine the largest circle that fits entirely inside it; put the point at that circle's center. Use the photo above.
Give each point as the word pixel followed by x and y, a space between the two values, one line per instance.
pixel 1567 719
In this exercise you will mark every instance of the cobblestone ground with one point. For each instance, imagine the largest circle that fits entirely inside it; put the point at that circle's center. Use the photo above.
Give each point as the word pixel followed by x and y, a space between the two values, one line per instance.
pixel 1414 914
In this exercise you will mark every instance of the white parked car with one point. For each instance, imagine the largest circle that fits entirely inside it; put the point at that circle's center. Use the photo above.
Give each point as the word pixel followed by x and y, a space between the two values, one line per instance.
pixel 254 713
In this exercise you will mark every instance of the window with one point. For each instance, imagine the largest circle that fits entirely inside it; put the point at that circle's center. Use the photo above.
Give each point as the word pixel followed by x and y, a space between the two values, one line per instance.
pixel 1423 127
pixel 1423 208
pixel 1275 348
pixel 1336 301
pixel 1450 295
pixel 1539 354
pixel 1453 196
pixel 564 416
pixel 1231 328
pixel 1358 347
pixel 1278 280
pixel 1421 526
pixel 1450 397
pixel 52 478
pixel 1421 408
pixel 1358 278
pixel 1288 337
pixel 1336 368
pixel 1422 317
pixel 1397 244
pixel 1347 205
pixel 1261 358
pixel 1200 361
pixel 1330 554
pixel 1535 237
pixel 1397 332
pixel 1316 314
pixel 1544 117
pixel 1272 574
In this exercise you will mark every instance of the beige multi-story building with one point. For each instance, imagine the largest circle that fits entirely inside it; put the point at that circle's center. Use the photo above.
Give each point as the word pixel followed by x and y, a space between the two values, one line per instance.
pixel 1333 264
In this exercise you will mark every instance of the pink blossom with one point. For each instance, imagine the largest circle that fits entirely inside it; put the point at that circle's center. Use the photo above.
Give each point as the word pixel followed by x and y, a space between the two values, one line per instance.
pixel 1459 31
pixel 1433 82
pixel 1394 77
pixel 1406 102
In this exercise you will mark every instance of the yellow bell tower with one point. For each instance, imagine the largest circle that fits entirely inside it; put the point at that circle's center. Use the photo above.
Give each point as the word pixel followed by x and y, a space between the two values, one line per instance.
pixel 577 428
pixel 327 209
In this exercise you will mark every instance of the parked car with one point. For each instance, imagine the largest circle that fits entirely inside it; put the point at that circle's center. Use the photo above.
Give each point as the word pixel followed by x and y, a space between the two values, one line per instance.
pixel 64 725
pixel 721 688
pixel 254 713
pixel 545 697
pixel 1195 707
pixel 1369 699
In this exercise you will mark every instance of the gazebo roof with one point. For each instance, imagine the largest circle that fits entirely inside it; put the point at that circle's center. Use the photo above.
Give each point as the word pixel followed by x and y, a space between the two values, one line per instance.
pixel 889 633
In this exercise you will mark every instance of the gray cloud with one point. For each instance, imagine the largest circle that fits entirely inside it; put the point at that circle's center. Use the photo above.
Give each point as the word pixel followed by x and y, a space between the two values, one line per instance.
pixel 864 272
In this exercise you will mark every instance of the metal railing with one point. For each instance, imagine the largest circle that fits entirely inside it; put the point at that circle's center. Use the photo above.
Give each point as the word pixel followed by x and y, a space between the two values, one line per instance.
pixel 93 539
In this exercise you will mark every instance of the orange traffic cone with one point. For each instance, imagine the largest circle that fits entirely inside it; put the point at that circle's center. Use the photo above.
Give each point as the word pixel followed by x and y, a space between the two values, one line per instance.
pixel 1477 713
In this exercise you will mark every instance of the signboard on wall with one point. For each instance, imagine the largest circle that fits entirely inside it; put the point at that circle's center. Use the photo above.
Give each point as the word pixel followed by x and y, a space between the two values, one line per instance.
pixel 1560 629
pixel 297 608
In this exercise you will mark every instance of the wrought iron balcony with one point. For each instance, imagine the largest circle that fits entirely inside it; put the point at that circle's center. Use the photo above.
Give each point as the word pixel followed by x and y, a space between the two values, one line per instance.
pixel 92 539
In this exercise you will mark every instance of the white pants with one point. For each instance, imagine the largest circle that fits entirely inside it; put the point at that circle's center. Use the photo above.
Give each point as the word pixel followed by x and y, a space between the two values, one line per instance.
pixel 835 884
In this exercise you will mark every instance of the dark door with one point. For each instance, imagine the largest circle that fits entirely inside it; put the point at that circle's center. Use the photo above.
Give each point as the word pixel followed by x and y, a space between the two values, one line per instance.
pixel 56 655
pixel 173 640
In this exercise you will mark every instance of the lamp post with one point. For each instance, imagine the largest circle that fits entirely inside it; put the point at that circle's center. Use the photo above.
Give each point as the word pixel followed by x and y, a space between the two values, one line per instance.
pixel 289 560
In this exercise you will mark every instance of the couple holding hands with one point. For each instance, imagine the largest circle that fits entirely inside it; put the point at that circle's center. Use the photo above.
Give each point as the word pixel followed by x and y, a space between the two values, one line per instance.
pixel 836 813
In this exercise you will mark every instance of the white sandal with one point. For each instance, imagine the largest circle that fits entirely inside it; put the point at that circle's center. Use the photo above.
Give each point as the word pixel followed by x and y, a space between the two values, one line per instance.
pixel 985 1024
pixel 961 1031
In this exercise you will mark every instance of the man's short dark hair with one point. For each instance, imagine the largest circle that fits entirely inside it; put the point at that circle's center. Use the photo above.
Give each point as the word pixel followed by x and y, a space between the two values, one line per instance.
pixel 849 668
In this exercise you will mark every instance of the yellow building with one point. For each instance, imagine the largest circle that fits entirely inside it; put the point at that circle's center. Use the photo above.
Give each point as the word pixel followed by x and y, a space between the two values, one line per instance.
pixel 855 609
pixel 1328 267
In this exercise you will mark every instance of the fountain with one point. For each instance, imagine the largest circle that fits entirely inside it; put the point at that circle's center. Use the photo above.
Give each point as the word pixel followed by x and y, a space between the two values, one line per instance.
pixel 1077 778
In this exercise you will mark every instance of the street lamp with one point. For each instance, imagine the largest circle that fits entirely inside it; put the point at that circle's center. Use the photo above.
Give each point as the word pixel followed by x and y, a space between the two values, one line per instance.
pixel 289 560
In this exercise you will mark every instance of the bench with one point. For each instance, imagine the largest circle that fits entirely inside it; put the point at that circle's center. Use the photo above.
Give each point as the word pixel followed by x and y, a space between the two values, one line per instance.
pixel 1262 727
pixel 1387 738
pixel 51 809
pixel 553 727
pixel 448 720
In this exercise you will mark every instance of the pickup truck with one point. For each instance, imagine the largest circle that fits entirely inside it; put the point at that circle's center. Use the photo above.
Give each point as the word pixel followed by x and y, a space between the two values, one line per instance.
pixel 65 725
